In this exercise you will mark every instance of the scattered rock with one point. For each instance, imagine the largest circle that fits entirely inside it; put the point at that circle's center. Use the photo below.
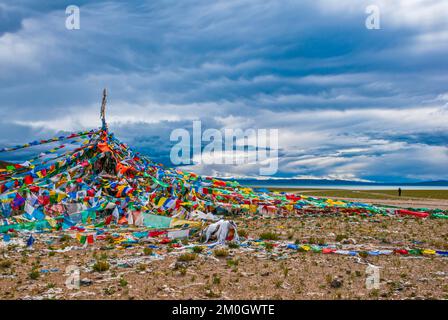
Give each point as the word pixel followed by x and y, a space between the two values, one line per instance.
pixel 180 265
pixel 247 274
pixel 349 241
pixel 399 288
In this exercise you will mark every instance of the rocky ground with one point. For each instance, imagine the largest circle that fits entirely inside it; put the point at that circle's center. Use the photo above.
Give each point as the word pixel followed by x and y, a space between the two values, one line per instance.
pixel 259 271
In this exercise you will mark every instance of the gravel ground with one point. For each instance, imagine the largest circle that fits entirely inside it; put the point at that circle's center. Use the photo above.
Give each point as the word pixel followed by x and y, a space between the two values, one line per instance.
pixel 239 273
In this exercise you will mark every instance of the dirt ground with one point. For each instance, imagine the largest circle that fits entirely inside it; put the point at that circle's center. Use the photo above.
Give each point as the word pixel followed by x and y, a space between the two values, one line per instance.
pixel 252 272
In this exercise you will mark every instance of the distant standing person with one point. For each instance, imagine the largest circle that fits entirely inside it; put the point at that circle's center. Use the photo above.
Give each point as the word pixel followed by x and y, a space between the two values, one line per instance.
pixel 399 192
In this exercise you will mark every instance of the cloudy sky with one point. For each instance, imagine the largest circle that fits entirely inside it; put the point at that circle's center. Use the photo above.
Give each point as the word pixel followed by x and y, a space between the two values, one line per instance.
pixel 349 102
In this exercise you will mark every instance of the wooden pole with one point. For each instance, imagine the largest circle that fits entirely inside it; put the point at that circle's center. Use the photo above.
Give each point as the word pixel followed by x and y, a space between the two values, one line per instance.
pixel 103 110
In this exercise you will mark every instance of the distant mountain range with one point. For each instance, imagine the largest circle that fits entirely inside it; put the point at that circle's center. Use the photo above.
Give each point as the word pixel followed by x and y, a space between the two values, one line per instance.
pixel 3 164
pixel 327 182
pixel 317 182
